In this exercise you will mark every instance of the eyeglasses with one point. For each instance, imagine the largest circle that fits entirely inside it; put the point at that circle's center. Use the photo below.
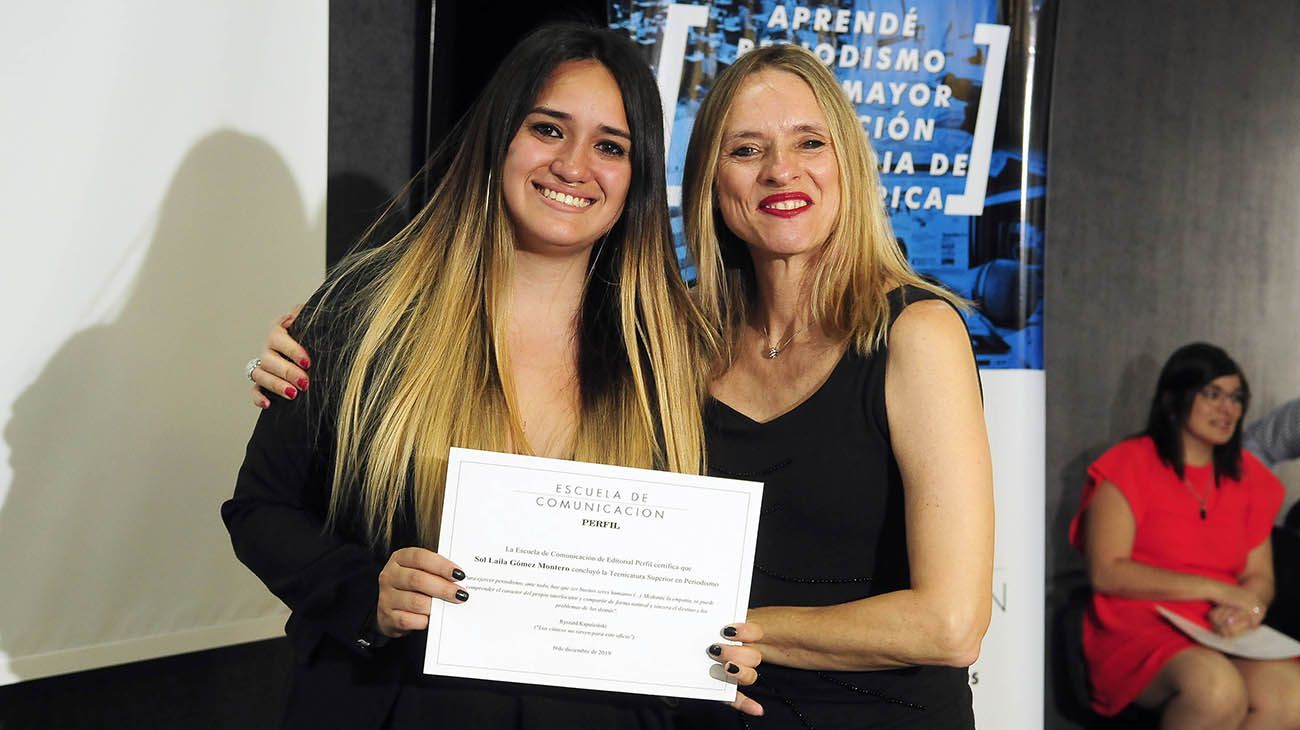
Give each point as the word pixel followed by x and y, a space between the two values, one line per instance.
pixel 1215 394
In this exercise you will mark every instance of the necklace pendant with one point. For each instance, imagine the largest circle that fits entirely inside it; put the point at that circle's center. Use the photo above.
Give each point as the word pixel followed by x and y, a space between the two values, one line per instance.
pixel 1202 513
pixel 772 352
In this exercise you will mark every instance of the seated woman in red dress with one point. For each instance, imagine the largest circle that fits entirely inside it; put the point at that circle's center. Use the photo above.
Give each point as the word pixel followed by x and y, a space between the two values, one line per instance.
pixel 1180 517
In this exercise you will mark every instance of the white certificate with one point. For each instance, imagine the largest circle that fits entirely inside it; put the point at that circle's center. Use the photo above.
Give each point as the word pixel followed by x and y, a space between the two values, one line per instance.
pixel 592 576
pixel 1262 642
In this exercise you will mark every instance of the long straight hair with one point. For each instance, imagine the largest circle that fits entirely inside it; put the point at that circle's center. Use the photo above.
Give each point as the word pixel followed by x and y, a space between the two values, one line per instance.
pixel 1187 371
pixel 424 363
pixel 859 263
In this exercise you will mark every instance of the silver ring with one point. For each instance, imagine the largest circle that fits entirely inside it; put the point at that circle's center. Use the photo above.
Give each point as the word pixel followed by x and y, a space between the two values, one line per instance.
pixel 252 365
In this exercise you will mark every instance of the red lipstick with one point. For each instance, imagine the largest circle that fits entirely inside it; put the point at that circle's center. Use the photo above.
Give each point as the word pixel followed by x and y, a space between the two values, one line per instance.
pixel 765 205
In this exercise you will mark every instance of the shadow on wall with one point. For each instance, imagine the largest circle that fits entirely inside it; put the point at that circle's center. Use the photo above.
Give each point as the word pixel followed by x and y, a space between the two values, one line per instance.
pixel 1067 683
pixel 1128 414
pixel 127 442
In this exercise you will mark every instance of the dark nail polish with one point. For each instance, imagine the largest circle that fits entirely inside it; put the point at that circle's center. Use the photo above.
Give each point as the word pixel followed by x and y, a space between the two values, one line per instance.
pixel 733 668
pixel 729 632
pixel 457 574
pixel 462 596
pixel 302 383
pixel 290 392
pixel 715 650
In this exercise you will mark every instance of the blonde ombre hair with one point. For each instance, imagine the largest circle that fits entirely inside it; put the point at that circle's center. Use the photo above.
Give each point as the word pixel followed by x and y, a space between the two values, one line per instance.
pixel 421 358
pixel 858 264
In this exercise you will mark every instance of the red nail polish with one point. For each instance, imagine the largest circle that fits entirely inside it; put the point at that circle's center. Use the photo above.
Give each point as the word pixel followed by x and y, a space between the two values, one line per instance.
pixel 264 404
pixel 305 363
pixel 290 392
pixel 302 383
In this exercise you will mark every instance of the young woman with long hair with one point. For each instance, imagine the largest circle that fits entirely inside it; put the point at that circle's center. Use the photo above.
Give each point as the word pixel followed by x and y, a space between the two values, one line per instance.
pixel 534 306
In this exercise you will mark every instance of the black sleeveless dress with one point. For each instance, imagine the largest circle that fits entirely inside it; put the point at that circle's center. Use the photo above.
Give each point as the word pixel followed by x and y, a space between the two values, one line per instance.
pixel 831 531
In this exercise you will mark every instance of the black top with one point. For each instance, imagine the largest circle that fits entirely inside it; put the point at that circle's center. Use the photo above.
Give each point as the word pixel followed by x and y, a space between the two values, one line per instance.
pixel 329 581
pixel 832 531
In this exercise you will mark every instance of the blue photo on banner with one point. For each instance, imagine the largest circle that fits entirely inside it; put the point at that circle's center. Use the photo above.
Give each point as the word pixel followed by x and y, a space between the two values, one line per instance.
pixel 940 89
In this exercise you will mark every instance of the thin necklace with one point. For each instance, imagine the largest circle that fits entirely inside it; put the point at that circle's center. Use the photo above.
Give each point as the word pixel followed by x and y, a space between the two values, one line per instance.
pixel 1200 498
pixel 773 351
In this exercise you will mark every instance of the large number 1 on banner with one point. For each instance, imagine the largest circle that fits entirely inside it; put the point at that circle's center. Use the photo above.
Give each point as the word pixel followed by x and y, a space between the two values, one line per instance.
pixel 680 19
pixel 996 37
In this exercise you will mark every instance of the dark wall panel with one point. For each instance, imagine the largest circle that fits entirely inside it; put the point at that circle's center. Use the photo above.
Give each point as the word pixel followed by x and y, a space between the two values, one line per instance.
pixel 234 688
pixel 378 102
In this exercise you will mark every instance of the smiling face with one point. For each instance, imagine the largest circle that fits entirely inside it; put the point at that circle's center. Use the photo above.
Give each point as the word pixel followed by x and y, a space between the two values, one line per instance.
pixel 1215 411
pixel 568 168
pixel 778 176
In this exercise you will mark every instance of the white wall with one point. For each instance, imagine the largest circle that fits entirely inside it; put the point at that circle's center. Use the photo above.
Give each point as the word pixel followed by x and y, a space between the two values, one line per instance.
pixel 162 177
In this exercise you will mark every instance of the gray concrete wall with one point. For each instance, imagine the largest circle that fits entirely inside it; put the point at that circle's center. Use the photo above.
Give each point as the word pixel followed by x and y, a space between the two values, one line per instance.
pixel 1174 191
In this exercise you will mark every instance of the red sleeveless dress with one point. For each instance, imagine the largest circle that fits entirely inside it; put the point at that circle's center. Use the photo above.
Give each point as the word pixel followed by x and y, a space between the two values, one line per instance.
pixel 1125 642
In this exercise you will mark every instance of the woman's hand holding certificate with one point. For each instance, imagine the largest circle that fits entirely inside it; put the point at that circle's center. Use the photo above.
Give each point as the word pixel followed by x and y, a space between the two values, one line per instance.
pixel 411 577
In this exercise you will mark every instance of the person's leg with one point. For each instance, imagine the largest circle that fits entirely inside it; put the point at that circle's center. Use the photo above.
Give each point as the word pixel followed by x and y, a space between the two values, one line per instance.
pixel 1197 688
pixel 1273 689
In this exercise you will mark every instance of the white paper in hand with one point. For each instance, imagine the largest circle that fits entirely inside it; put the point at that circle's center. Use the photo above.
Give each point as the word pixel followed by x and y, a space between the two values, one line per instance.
pixel 1261 642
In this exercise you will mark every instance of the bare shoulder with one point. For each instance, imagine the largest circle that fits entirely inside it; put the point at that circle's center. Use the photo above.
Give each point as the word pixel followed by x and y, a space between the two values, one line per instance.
pixel 926 330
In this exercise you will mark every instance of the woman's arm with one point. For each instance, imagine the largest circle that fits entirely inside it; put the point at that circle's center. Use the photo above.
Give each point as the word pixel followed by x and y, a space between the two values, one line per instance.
pixel 936 423
pixel 1258 575
pixel 1257 578
pixel 333 585
pixel 1108 548
pixel 276 520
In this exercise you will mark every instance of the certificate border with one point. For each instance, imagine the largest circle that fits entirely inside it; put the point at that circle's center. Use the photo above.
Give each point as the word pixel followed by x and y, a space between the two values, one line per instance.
pixel 715 689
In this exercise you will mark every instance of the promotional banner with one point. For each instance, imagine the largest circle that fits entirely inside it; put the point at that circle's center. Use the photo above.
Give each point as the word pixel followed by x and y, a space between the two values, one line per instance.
pixel 952 96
